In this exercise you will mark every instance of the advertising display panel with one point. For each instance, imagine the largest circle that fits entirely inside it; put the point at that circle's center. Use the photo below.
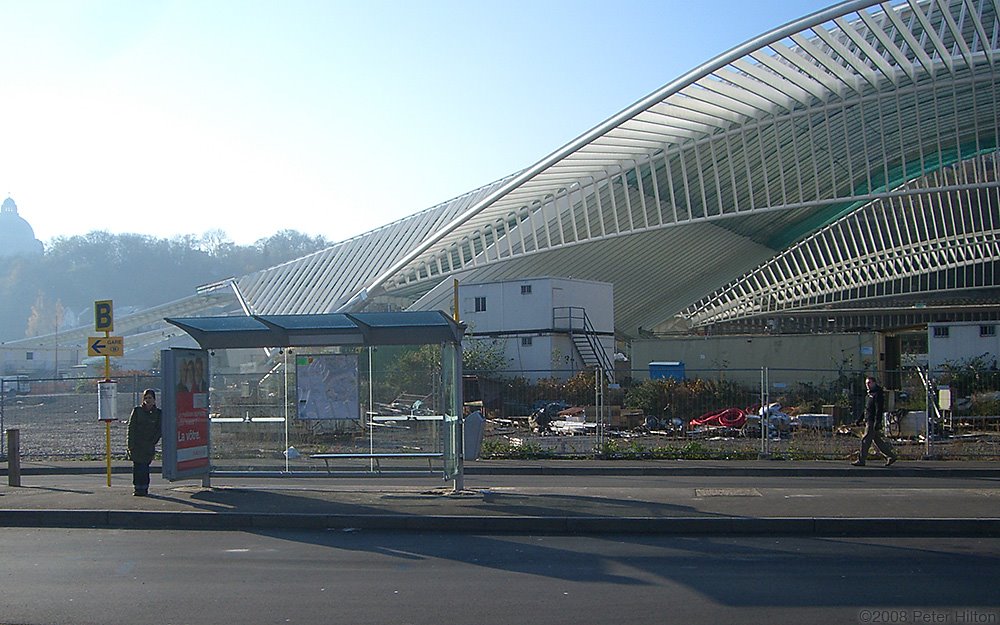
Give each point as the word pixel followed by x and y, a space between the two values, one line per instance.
pixel 186 443
pixel 327 386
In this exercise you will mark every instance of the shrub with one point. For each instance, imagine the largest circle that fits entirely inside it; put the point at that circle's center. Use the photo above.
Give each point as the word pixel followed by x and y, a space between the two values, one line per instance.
pixel 667 397
pixel 496 448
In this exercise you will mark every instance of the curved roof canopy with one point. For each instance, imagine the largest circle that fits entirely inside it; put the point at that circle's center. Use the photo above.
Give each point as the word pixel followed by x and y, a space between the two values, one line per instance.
pixel 709 177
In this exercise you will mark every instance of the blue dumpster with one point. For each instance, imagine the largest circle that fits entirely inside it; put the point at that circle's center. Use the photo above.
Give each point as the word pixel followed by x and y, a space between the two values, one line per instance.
pixel 666 369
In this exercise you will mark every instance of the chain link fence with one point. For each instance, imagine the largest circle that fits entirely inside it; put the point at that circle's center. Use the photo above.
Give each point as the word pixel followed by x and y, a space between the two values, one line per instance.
pixel 709 414
pixel 723 413
pixel 58 419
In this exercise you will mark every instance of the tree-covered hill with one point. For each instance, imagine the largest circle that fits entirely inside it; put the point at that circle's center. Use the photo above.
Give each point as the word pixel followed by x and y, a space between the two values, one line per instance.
pixel 37 293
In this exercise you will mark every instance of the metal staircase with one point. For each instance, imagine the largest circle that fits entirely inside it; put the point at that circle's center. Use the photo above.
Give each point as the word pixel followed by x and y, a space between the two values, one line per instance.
pixel 574 321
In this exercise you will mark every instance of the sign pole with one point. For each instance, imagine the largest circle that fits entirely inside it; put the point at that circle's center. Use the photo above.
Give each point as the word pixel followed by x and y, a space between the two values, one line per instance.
pixel 107 360
pixel 107 446
pixel 107 422
pixel 106 391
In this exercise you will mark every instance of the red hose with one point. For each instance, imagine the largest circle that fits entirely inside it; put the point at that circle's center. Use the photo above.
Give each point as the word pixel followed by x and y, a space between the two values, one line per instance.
pixel 727 417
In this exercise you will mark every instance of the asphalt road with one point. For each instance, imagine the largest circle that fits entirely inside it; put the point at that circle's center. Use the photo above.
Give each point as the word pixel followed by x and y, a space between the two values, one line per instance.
pixel 109 577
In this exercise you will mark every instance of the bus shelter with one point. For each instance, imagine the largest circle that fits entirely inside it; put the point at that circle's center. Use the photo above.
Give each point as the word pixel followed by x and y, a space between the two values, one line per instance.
pixel 337 380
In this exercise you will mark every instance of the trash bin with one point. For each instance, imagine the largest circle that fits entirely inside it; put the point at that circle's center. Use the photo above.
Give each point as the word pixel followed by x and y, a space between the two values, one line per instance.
pixel 663 370
pixel 473 430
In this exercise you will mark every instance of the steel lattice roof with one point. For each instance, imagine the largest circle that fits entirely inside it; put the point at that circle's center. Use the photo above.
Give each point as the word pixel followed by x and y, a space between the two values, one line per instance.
pixel 706 179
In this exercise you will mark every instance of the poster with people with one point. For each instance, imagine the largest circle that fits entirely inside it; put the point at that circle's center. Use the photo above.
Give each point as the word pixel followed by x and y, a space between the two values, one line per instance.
pixel 327 386
pixel 186 443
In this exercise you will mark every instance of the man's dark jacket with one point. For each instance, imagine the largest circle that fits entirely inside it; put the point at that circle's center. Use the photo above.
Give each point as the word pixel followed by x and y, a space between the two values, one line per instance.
pixel 875 406
pixel 143 434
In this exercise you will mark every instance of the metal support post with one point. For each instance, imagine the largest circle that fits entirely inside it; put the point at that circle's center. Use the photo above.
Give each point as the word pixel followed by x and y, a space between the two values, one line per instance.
pixel 765 416
pixel 107 446
pixel 14 457
pixel 599 410
pixel 3 401
pixel 928 406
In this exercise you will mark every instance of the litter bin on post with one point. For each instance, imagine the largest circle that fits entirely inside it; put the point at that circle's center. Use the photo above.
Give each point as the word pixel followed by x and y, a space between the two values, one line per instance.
pixel 473 431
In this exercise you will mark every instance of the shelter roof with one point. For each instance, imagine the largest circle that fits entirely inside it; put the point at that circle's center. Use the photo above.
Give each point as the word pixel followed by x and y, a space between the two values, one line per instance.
pixel 320 330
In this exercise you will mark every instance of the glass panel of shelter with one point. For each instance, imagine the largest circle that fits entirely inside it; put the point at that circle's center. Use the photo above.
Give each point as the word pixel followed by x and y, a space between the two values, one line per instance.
pixel 405 396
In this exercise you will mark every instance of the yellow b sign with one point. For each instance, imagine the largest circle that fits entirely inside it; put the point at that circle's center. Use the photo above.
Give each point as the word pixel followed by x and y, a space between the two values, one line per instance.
pixel 104 319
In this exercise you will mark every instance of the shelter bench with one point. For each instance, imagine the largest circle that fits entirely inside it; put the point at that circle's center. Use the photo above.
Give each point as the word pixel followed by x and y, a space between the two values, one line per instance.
pixel 376 456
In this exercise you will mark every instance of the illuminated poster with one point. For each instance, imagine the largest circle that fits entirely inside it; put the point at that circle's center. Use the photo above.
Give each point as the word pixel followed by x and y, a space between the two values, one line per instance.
pixel 186 443
pixel 327 386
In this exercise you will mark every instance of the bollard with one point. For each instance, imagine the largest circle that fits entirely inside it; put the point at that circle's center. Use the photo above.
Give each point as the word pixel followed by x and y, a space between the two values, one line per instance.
pixel 13 457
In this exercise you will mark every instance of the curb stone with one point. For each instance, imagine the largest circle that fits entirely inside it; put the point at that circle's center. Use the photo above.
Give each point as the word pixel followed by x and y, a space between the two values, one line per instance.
pixel 553 525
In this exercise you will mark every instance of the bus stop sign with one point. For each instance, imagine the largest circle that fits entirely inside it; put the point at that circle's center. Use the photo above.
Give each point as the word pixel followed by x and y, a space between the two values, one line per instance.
pixel 104 319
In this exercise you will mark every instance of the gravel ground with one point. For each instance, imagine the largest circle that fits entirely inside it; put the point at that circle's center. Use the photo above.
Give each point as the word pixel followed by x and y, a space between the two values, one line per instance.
pixel 63 425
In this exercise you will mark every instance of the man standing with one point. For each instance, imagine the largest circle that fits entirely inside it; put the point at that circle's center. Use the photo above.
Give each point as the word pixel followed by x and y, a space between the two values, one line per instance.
pixel 144 426
pixel 874 407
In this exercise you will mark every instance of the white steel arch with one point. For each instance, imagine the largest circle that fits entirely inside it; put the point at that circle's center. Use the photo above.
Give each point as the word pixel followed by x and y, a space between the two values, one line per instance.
pixel 718 171
pixel 903 246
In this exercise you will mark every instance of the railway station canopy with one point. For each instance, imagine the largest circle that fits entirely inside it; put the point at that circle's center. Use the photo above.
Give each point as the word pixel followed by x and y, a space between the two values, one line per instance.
pixel 844 160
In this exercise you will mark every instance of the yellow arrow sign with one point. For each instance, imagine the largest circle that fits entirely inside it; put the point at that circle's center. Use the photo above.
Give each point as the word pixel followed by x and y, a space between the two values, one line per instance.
pixel 105 346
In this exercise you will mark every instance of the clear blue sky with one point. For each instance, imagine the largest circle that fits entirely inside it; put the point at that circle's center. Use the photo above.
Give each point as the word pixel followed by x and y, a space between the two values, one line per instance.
pixel 172 117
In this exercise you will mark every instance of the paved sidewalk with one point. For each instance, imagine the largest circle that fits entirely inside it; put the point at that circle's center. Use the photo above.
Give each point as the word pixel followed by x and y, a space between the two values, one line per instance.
pixel 679 497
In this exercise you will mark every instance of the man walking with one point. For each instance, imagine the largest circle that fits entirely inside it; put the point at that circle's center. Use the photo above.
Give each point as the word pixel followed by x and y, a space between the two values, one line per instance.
pixel 874 408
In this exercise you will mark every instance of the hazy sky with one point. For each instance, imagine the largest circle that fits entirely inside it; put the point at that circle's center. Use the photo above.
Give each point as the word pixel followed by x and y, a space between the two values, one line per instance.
pixel 332 118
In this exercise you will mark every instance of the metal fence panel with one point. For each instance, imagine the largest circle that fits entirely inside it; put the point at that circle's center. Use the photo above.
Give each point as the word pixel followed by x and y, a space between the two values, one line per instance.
pixel 255 425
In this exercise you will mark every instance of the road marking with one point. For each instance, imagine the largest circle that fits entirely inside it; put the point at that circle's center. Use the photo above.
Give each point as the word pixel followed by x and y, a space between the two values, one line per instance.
pixel 727 492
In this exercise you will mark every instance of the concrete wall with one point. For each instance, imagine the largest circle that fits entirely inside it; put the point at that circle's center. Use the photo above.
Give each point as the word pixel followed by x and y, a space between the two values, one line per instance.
pixel 512 314
pixel 37 362
pixel 545 353
pixel 813 358
pixel 963 341
pixel 508 308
